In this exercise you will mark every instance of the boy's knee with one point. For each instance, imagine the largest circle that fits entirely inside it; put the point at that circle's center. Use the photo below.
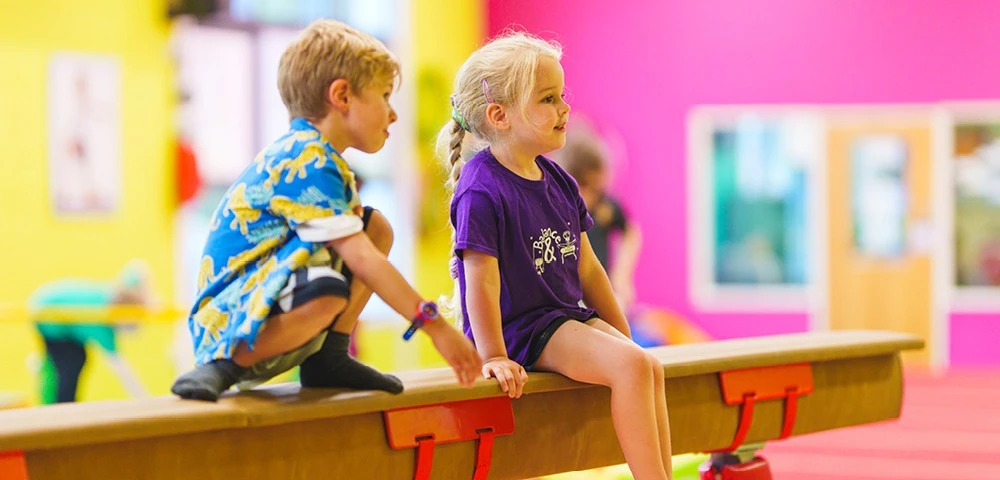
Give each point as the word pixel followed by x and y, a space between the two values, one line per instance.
pixel 320 311
pixel 379 231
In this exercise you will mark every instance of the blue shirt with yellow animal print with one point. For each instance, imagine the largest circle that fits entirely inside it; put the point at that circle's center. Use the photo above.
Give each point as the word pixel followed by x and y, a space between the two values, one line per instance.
pixel 253 248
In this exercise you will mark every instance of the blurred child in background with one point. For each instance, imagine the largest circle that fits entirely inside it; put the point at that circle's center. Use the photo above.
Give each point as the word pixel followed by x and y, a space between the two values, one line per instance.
pixel 66 333
pixel 585 157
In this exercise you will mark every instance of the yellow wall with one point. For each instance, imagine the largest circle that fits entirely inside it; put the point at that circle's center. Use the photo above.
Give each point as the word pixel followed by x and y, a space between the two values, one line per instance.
pixel 40 247
pixel 36 246
pixel 445 33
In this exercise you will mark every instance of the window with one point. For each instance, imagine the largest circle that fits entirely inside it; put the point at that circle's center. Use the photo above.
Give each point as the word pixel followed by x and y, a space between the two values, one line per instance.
pixel 974 252
pixel 751 197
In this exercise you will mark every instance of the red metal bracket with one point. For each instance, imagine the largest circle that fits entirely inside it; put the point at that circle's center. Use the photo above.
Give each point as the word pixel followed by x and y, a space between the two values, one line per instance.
pixel 427 425
pixel 13 466
pixel 751 385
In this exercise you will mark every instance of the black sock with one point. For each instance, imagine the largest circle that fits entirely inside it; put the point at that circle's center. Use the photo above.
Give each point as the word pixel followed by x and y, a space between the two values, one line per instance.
pixel 333 367
pixel 208 381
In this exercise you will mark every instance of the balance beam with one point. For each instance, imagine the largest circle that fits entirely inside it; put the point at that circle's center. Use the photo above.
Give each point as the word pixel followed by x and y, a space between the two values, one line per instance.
pixel 803 383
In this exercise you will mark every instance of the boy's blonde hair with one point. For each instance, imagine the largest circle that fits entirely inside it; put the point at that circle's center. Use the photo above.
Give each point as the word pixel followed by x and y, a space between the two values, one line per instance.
pixel 325 51
pixel 503 69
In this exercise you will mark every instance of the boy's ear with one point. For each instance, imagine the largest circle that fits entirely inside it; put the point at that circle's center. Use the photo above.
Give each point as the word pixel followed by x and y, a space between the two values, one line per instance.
pixel 497 116
pixel 338 94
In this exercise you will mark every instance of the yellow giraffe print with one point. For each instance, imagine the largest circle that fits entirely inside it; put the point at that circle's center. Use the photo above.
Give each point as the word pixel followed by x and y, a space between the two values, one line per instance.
pixel 298 258
pixel 211 319
pixel 257 307
pixel 245 328
pixel 222 351
pixel 261 274
pixel 243 213
pixel 274 173
pixel 298 212
pixel 238 263
pixel 300 136
pixel 345 172
pixel 259 161
pixel 205 272
pixel 313 153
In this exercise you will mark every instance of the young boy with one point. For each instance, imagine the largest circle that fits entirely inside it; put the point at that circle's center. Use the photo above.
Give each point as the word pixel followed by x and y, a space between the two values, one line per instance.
pixel 274 286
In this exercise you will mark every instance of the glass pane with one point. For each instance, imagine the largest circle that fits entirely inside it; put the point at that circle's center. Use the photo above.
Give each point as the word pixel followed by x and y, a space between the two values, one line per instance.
pixel 878 195
pixel 284 12
pixel 759 195
pixel 977 204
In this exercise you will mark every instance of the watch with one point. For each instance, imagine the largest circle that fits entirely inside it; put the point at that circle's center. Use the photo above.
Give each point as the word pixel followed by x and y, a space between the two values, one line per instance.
pixel 428 312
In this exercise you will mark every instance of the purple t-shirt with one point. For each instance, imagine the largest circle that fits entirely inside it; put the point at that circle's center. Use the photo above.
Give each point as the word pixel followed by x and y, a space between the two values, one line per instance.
pixel 533 228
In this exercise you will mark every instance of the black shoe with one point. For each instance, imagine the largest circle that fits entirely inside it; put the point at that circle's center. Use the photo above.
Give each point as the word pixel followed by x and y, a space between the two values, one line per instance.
pixel 208 381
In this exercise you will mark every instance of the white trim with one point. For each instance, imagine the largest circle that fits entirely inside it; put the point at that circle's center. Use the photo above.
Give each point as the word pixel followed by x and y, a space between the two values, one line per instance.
pixel 956 298
pixel 819 216
pixel 978 299
pixel 942 254
pixel 327 229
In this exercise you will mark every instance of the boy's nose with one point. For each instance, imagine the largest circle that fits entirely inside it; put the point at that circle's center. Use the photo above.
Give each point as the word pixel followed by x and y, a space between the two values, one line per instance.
pixel 392 116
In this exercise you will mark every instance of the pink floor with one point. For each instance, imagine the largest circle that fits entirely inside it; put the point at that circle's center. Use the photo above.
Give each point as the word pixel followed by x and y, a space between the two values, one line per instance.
pixel 949 430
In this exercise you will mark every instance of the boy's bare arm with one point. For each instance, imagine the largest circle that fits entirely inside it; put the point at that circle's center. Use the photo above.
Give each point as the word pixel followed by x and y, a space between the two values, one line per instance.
pixel 482 286
pixel 597 292
pixel 372 267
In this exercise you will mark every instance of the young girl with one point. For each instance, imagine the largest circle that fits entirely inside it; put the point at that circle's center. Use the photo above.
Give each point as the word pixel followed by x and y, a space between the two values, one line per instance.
pixel 523 260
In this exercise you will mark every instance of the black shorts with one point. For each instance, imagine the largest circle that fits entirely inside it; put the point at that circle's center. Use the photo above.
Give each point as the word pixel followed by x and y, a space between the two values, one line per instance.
pixel 542 339
pixel 313 281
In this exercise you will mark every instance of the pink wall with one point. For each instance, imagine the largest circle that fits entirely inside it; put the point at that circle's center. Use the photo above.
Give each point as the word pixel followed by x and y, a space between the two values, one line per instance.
pixel 641 68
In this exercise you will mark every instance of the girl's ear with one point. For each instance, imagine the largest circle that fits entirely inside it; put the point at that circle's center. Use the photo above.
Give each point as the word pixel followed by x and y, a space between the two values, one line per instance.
pixel 338 95
pixel 497 116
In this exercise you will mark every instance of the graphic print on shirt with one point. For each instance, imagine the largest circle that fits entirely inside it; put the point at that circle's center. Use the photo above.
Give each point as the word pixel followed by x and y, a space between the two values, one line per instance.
pixel 549 243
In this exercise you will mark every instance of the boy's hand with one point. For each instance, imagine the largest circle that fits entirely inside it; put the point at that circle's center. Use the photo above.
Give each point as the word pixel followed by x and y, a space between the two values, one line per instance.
pixel 509 374
pixel 456 350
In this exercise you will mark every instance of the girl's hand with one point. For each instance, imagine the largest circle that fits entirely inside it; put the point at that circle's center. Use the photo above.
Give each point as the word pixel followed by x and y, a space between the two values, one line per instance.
pixel 509 374
pixel 456 350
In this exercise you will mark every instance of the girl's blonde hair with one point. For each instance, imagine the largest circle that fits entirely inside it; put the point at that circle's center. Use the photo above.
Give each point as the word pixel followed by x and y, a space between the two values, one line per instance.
pixel 501 72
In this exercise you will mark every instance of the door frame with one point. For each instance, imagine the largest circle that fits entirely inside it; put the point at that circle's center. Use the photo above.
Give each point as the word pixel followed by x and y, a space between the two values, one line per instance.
pixel 813 298
pixel 907 115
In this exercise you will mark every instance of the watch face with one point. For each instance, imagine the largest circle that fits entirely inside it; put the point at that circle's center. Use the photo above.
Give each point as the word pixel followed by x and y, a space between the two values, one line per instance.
pixel 430 309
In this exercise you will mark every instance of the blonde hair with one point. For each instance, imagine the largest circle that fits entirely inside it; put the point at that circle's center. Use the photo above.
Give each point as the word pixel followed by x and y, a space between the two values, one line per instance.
pixel 503 69
pixel 501 72
pixel 325 51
